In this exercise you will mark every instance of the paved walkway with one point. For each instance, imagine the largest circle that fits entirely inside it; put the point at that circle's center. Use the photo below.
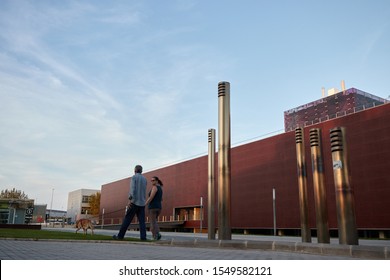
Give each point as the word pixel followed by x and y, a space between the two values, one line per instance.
pixel 189 246
pixel 55 250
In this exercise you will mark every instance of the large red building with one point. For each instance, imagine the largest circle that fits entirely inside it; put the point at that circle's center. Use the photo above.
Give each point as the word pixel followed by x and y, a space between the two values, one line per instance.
pixel 261 166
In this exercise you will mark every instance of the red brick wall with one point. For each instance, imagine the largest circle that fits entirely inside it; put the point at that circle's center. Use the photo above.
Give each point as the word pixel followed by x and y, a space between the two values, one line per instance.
pixel 114 198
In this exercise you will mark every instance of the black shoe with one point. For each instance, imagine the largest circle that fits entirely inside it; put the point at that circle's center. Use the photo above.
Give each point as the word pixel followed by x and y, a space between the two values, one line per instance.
pixel 117 237
pixel 158 236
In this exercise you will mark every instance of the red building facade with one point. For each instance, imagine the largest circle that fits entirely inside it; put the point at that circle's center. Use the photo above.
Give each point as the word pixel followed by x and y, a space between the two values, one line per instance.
pixel 260 166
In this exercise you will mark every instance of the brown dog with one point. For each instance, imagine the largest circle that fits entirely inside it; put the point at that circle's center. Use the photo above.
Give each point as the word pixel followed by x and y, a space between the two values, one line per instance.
pixel 84 224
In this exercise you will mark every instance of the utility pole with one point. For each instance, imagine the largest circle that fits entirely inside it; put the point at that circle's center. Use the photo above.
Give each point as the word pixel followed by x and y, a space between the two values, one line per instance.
pixel 51 204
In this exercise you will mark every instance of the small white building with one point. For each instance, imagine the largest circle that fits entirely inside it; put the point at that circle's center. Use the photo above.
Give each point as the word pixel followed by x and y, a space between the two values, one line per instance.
pixel 78 204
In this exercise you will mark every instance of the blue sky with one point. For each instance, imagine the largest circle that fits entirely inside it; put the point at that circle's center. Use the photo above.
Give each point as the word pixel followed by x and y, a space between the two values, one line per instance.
pixel 88 89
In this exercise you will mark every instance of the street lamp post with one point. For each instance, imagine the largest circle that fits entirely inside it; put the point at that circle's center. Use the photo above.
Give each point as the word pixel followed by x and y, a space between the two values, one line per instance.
pixel 51 204
pixel 103 218
pixel 274 208
pixel 201 213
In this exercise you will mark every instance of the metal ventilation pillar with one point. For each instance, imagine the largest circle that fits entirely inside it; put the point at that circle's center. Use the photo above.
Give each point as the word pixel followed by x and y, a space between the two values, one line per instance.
pixel 319 186
pixel 344 193
pixel 211 184
pixel 224 163
pixel 302 184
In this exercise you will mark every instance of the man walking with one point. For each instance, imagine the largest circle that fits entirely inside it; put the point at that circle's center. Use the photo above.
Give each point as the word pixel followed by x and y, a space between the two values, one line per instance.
pixel 136 206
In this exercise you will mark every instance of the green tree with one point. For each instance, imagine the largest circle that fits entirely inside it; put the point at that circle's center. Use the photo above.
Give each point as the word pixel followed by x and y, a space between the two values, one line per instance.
pixel 14 193
pixel 94 203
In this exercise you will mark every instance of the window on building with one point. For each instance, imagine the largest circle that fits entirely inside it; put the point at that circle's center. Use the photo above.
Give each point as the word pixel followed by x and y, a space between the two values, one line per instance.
pixel 4 216
pixel 85 199
pixel 188 213
pixel 85 210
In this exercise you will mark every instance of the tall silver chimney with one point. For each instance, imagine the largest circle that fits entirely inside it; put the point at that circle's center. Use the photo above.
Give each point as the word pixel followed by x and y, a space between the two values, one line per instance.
pixel 345 202
pixel 319 186
pixel 211 185
pixel 224 163
pixel 302 185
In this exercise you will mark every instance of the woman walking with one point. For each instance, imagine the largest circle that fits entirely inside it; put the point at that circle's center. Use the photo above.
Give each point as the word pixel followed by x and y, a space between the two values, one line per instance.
pixel 154 206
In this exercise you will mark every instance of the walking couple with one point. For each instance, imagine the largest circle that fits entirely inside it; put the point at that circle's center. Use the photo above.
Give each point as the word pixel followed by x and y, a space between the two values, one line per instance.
pixel 137 203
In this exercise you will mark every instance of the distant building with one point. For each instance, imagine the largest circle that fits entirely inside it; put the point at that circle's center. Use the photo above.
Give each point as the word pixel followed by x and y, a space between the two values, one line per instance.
pixel 16 211
pixel 24 211
pixel 78 204
pixel 55 216
pixel 39 214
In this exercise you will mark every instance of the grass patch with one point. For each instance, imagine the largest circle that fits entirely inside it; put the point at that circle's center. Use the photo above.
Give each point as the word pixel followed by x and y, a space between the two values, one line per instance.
pixel 47 234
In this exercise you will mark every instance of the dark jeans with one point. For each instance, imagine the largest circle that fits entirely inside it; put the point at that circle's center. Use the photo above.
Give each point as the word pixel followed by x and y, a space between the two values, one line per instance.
pixel 131 212
pixel 154 228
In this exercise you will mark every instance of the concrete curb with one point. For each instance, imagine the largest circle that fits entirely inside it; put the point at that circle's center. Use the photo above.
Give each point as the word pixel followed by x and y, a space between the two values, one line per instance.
pixel 353 251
